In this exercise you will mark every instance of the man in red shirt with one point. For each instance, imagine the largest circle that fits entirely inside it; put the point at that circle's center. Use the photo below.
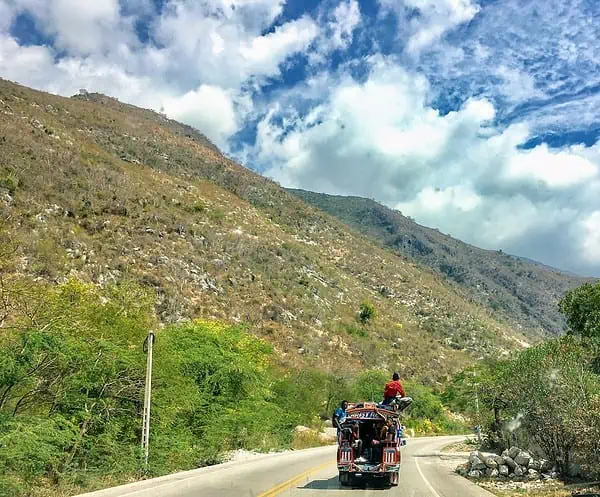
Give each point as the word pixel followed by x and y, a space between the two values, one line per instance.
pixel 393 389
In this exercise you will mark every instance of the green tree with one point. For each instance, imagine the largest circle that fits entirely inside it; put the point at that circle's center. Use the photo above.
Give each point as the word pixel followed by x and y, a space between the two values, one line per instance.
pixel 546 396
pixel 366 312
pixel 581 307
pixel 70 365
pixel 550 388
pixel 368 385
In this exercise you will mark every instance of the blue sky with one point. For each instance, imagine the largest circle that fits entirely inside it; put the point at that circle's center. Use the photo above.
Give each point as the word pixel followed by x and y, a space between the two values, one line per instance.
pixel 478 117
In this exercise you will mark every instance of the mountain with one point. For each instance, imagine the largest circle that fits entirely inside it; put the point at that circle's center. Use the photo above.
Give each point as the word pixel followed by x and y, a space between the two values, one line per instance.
pixel 522 292
pixel 101 191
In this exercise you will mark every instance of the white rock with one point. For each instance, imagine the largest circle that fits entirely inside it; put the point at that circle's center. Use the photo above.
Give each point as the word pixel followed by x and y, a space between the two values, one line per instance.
pixel 513 452
pixel 523 458
pixel 492 473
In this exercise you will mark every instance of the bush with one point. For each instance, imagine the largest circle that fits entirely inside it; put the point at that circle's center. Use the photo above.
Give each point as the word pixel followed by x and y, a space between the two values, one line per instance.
pixel 366 313
pixel 34 446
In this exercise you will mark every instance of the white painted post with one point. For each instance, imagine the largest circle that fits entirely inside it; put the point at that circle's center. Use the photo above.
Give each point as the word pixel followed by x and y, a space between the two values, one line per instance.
pixel 475 385
pixel 148 345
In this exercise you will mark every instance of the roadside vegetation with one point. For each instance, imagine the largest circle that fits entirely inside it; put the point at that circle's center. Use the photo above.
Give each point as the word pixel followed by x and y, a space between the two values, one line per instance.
pixel 546 398
pixel 71 389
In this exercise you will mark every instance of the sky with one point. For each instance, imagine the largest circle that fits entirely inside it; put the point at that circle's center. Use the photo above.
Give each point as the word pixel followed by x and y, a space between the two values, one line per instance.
pixel 477 117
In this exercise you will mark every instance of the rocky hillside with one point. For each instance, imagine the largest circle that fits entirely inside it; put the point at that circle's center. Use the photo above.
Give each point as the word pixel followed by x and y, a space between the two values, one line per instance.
pixel 102 191
pixel 525 293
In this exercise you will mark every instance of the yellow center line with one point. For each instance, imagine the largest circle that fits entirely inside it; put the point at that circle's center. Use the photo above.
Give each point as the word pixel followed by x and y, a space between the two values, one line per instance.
pixel 293 481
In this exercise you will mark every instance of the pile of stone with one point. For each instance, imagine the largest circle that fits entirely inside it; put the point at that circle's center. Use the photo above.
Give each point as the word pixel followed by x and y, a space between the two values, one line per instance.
pixel 513 464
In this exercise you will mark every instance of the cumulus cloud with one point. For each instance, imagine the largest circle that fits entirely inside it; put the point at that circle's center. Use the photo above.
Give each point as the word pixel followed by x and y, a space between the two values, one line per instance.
pixel 555 169
pixel 381 138
pixel 209 108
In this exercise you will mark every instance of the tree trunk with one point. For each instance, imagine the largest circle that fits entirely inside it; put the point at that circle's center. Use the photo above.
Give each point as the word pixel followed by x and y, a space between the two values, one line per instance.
pixel 82 432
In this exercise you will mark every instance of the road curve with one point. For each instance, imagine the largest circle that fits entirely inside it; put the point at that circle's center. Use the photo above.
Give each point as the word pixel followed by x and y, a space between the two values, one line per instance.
pixel 309 473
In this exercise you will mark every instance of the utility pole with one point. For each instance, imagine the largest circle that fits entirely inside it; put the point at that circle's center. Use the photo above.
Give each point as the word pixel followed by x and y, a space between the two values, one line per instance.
pixel 478 429
pixel 148 345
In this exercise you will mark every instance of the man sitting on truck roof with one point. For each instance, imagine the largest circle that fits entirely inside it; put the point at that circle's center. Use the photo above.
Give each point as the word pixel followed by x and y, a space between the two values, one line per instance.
pixel 393 389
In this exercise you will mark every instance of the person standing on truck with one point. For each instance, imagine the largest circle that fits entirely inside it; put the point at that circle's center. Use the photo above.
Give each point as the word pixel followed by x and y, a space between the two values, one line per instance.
pixel 339 416
pixel 393 389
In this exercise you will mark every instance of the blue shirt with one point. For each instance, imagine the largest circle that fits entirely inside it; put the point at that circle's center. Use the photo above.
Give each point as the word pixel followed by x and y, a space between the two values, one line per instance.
pixel 340 414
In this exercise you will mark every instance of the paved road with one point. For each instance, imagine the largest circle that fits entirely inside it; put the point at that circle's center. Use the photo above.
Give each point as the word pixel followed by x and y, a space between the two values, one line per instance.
pixel 310 473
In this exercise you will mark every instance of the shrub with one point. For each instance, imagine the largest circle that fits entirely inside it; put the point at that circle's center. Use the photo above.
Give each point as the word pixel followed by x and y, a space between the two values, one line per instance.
pixel 366 313
pixel 581 307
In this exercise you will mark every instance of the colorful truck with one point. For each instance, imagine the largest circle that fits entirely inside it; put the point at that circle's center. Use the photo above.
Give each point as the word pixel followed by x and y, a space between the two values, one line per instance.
pixel 369 444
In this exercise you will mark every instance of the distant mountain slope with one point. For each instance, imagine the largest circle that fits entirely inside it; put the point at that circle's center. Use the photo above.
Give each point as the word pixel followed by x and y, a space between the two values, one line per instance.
pixel 521 291
pixel 102 191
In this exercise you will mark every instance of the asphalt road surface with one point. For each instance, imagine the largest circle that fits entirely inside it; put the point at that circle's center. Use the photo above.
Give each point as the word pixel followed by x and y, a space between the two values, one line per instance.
pixel 311 473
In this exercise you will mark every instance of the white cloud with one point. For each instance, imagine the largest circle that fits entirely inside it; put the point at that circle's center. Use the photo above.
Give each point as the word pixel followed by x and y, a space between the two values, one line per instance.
pixel 555 169
pixel 436 200
pixel 209 108
pixel 337 28
pixel 264 54
pixel 433 20
pixel 24 64
pixel 381 138
pixel 591 241
pixel 517 85
pixel 7 14
pixel 80 26
pixel 346 16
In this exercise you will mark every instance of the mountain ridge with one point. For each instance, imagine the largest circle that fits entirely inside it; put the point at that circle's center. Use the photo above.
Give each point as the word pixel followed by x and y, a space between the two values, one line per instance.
pixel 521 291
